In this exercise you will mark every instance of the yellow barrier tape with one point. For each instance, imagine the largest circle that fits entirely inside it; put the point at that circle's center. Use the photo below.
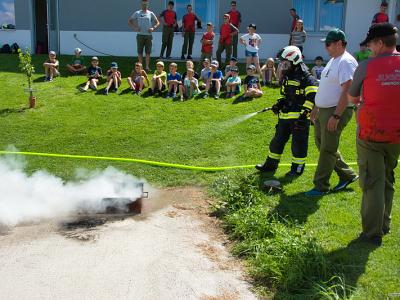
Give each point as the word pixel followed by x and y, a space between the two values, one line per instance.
pixel 142 161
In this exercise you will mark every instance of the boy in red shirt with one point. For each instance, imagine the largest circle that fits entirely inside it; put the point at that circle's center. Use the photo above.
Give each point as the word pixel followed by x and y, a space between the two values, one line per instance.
pixel 236 20
pixel 228 30
pixel 207 43
pixel 168 18
pixel 188 24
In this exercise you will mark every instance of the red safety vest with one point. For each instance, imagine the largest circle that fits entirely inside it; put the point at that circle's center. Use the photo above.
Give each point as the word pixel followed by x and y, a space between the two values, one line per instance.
pixel 225 34
pixel 188 21
pixel 235 17
pixel 207 48
pixel 169 17
pixel 379 115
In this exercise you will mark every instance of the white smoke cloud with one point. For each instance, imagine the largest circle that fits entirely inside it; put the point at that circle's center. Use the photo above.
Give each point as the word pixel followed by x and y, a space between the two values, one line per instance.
pixel 31 198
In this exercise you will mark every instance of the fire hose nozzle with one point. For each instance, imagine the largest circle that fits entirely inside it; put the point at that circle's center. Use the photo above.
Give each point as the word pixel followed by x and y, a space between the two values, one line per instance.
pixel 264 110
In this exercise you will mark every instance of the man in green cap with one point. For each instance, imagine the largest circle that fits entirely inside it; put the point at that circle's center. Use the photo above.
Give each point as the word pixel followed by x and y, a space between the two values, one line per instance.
pixel 331 114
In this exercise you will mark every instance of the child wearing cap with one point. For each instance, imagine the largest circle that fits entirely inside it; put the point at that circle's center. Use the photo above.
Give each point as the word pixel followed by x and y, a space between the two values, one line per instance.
pixel 113 78
pixel 77 64
pixel 228 68
pixel 213 84
pixel 94 73
pixel 190 85
pixel 251 84
pixel 173 80
pixel 204 73
pixel 159 81
pixel 233 83
pixel 207 41
pixel 225 40
pixel 316 71
pixel 252 42
pixel 51 67
pixel 268 72
pixel 137 78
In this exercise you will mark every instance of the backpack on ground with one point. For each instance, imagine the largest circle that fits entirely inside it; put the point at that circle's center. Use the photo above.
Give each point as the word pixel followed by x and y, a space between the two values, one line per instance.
pixel 6 49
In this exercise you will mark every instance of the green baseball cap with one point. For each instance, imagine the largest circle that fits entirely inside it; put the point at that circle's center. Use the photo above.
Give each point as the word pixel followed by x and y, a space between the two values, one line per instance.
pixel 334 36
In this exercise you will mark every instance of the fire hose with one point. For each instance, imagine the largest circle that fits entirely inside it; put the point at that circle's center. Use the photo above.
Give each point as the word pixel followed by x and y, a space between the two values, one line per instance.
pixel 141 161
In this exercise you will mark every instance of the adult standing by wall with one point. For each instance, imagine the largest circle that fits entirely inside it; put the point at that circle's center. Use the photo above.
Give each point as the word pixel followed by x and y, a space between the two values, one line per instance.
pixel 144 22
pixel 331 114
pixel 236 20
pixel 378 136
pixel 381 16
pixel 295 17
pixel 169 20
pixel 189 30
pixel 227 31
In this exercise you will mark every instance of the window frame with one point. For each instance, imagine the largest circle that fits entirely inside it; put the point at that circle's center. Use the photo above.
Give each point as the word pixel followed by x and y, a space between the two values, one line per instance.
pixel 15 22
pixel 317 23
pixel 204 22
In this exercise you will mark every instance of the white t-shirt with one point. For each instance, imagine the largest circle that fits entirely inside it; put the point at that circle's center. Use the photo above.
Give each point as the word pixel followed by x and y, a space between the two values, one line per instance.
pixel 252 41
pixel 338 71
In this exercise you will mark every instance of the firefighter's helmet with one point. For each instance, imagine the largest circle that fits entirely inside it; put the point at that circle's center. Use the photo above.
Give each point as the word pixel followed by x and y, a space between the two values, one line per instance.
pixel 293 54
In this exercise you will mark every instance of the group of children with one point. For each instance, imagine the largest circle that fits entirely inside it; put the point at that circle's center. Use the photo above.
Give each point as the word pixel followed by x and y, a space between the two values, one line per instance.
pixel 187 85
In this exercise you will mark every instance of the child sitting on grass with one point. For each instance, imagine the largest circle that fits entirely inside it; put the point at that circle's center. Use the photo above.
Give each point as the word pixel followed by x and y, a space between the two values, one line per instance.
pixel 113 78
pixel 214 81
pixel 233 83
pixel 204 73
pixel 51 67
pixel 173 80
pixel 94 73
pixel 190 86
pixel 77 65
pixel 159 81
pixel 252 88
pixel 137 78
pixel 268 72
pixel 228 68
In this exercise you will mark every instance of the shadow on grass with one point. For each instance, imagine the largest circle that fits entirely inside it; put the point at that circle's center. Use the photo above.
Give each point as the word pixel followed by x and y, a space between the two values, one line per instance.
pixel 241 99
pixel 8 111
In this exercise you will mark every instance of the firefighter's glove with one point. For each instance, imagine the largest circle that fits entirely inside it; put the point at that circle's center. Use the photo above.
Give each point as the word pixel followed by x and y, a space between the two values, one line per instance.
pixel 305 114
pixel 276 108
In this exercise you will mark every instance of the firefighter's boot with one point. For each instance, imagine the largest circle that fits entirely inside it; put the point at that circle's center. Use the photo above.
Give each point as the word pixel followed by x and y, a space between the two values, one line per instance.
pixel 295 170
pixel 270 165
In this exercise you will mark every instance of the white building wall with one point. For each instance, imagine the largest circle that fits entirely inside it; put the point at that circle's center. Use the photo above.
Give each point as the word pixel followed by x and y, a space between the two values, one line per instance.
pixel 124 43
pixel 22 37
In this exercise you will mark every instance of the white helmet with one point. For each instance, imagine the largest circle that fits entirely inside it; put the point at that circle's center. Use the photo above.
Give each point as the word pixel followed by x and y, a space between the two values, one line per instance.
pixel 293 54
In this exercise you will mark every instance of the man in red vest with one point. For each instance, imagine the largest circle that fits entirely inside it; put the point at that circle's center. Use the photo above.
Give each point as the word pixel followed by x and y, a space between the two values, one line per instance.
pixel 227 31
pixel 236 20
pixel 381 17
pixel 189 28
pixel 168 18
pixel 376 91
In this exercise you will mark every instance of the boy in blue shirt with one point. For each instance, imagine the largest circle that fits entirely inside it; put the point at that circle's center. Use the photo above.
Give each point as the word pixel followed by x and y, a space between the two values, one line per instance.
pixel 94 73
pixel 173 80
pixel 214 81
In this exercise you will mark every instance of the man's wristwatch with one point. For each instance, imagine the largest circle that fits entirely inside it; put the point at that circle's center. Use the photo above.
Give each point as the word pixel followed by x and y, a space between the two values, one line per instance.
pixel 335 116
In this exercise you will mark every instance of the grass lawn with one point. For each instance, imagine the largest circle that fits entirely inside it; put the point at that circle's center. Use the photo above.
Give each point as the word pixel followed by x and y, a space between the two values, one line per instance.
pixel 293 245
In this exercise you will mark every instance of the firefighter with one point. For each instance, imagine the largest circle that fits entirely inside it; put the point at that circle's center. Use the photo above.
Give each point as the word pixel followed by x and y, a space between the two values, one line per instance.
pixel 293 109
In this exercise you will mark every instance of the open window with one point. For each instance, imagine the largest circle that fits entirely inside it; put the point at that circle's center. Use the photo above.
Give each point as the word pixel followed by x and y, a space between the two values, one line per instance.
pixel 7 14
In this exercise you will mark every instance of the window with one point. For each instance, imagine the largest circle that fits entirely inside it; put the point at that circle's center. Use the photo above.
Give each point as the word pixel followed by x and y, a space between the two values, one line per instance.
pixel 7 14
pixel 320 15
pixel 206 10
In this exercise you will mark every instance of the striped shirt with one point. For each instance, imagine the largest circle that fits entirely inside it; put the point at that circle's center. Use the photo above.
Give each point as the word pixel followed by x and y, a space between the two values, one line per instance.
pixel 298 38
